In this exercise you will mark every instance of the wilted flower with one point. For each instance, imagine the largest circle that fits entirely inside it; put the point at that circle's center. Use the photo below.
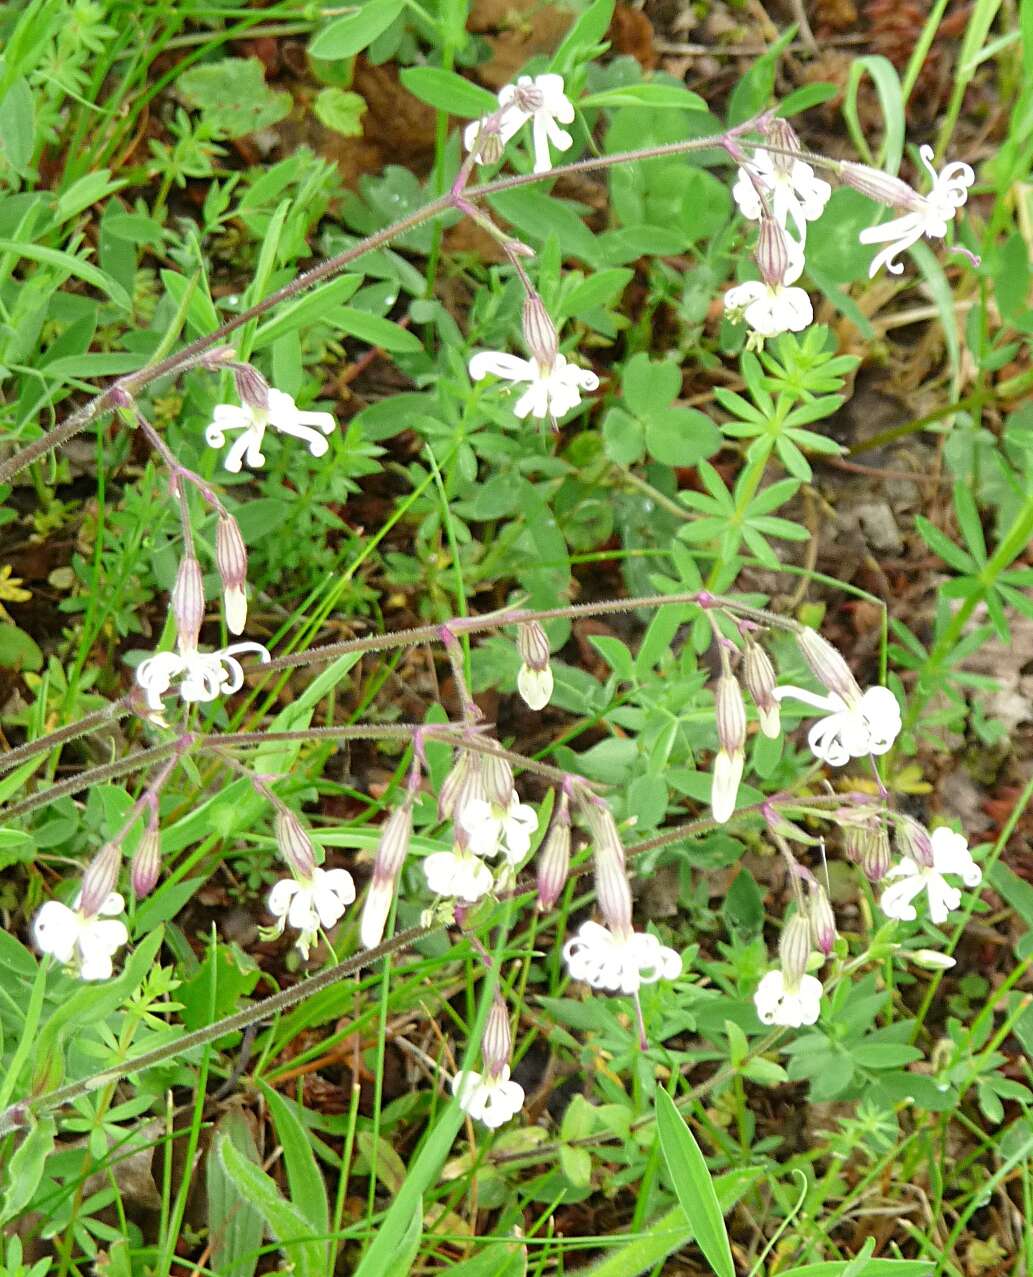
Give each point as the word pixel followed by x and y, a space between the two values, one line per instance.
pixel 619 963
pixel 554 388
pixel 554 856
pixel 790 1003
pixel 294 844
pixel 534 680
pixel 791 187
pixel 84 941
pixel 387 865
pixel 206 675
pixel 950 856
pixel 310 903
pixel 822 919
pixel 928 215
pixel 146 867
pixel 231 560
pixel 281 414
pixel 188 603
pixel 759 676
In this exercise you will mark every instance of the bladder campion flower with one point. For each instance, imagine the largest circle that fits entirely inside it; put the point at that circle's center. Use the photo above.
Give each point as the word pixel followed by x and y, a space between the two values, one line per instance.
pixel 85 941
pixel 310 903
pixel 790 1003
pixel 252 419
pixel 621 963
pixel 540 100
pixel 950 855
pixel 490 1097
pixel 926 214
pixel 492 827
pixel 553 390
pixel 790 186
pixel 772 306
pixel 866 724
pixel 205 675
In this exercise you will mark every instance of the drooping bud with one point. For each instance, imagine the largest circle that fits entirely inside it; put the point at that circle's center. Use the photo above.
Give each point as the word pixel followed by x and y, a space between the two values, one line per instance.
pixel 794 948
pixel 876 856
pixel 231 560
pixel 822 919
pixel 612 889
pixel 188 603
pixel 880 186
pixel 100 879
pixel 387 865
pixel 827 665
pixel 534 681
pixel 540 335
pixel 497 776
pixel 914 841
pixel 252 387
pixel 601 826
pixel 457 780
pixel 759 676
pixel 497 1042
pixel 730 758
pixel 146 867
pixel 554 856
pixel 772 254
pixel 294 844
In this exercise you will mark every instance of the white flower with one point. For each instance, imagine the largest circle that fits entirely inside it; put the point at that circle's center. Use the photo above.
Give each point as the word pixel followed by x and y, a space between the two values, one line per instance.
pixel 770 309
pixel 553 390
pixel 792 189
pixel 458 873
pixel 206 675
pixel 619 963
pixel 869 726
pixel 319 901
pixel 86 943
pixel 492 827
pixel 535 686
pixel 724 785
pixel 949 192
pixel 779 1001
pixel 282 414
pixel 491 1099
pixel 540 100
pixel 950 856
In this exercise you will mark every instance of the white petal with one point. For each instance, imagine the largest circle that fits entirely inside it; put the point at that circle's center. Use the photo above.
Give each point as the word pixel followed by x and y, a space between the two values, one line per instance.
pixel 501 364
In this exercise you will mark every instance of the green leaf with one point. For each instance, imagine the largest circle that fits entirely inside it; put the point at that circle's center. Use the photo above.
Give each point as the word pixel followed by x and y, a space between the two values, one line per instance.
pixel 234 1224
pixel 377 331
pixel 448 91
pixel 648 384
pixel 344 37
pixel 25 1169
pixel 284 1220
pixel 884 1055
pixel 693 1185
pixel 658 96
pixel 307 1185
pixel 316 307
pixel 874 1268
pixel 681 436
pixel 340 110
pixel 891 99
pixel 940 544
pixel 233 97
pixel 581 41
pixel 67 265
pixel 18 650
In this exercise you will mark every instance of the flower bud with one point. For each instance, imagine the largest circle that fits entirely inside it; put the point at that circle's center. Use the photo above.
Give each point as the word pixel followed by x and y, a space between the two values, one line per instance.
pixel 100 879
pixel 880 186
pixel 781 135
pixel 540 335
pixel 930 959
pixel 497 1042
pixel 231 560
pixel 554 856
pixel 828 666
pixel 497 777
pixel 534 681
pixel 387 865
pixel 772 253
pixel 458 781
pixel 613 890
pixel 188 603
pixel 876 856
pixel 601 826
pixel 913 841
pixel 146 867
pixel 822 919
pixel 294 844
pixel 731 714
pixel 794 948
pixel 759 676
pixel 252 387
